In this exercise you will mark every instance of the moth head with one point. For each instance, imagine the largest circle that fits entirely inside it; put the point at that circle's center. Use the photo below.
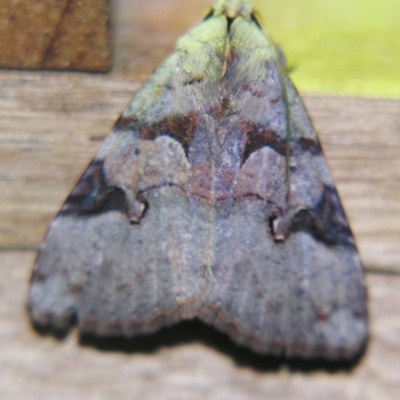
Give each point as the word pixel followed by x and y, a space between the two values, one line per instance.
pixel 232 8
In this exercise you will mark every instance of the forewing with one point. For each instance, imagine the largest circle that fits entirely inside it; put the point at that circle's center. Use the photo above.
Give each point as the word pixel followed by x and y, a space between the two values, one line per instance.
pixel 287 277
pixel 123 255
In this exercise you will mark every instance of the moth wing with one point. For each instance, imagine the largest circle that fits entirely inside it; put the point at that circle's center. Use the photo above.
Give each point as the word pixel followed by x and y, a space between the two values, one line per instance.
pixel 122 254
pixel 138 244
pixel 287 277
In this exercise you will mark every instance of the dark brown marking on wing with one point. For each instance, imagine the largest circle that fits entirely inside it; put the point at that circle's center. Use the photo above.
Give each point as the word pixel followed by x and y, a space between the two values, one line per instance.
pixel 321 315
pixel 311 145
pixel 326 222
pixel 180 128
pixel 124 123
pixel 257 138
pixel 222 109
pixel 92 194
pixel 91 181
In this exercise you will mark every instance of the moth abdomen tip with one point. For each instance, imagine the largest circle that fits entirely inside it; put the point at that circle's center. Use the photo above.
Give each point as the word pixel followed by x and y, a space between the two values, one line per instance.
pixel 49 323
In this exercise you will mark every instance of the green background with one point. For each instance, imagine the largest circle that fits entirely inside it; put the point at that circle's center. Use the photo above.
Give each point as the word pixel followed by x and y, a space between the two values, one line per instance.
pixel 338 46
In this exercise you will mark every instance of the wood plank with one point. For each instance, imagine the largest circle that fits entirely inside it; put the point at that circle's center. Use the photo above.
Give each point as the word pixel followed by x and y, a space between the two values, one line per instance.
pixel 186 362
pixel 58 34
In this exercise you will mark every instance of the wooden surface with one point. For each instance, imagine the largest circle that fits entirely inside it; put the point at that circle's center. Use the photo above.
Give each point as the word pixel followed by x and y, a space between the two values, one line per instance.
pixel 57 34
pixel 50 127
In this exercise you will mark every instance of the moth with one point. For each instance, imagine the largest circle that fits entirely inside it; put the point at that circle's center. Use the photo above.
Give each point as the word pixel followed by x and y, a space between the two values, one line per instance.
pixel 210 199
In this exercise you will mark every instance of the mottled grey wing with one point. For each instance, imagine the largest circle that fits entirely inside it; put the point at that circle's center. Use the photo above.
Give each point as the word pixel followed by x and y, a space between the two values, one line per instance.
pixel 301 296
pixel 287 277
pixel 185 212
pixel 128 251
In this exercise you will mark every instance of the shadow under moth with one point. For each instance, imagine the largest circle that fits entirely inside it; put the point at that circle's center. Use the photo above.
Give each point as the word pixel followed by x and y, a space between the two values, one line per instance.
pixel 210 199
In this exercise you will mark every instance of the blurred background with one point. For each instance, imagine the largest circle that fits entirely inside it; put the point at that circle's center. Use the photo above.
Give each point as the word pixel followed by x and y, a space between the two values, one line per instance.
pixel 342 46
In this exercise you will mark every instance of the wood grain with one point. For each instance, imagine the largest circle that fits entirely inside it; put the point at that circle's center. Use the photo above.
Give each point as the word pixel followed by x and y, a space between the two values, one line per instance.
pixel 59 34
pixel 51 125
